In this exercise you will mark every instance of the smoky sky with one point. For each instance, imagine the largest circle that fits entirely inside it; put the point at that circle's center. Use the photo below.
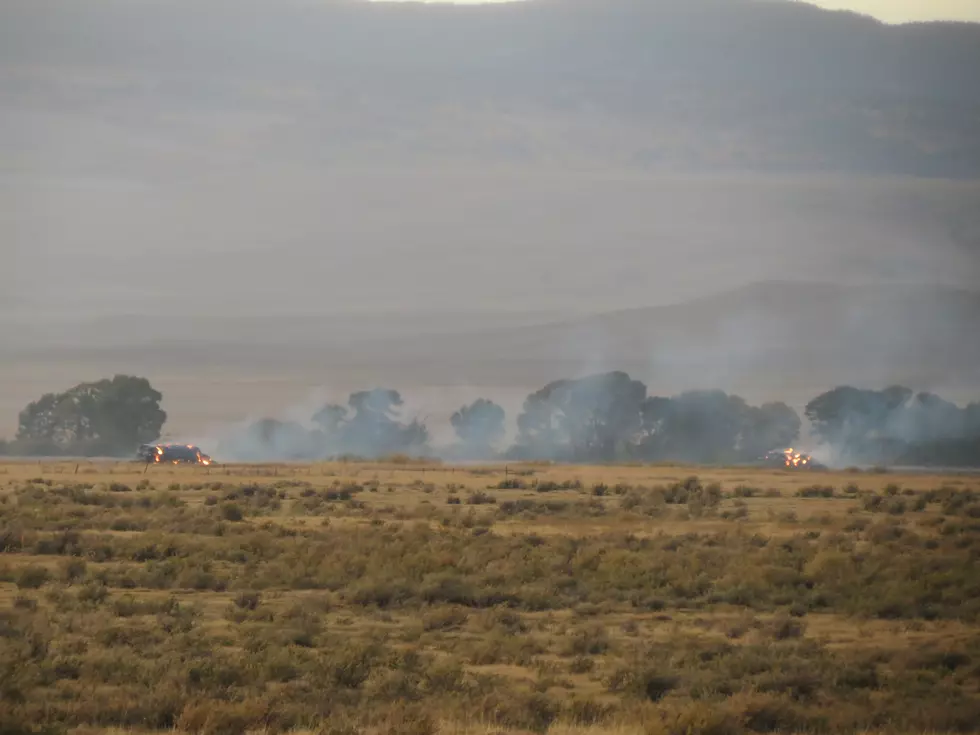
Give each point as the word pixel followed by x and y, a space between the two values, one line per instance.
pixel 460 170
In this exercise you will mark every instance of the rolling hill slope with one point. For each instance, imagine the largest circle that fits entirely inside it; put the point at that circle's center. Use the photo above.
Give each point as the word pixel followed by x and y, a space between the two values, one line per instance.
pixel 766 341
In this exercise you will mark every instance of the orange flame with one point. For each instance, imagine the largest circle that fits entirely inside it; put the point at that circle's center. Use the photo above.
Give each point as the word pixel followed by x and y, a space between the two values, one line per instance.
pixel 201 459
pixel 795 459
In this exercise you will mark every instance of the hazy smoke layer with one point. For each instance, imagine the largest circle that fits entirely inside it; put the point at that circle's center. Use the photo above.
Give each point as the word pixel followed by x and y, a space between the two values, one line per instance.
pixel 894 425
pixel 428 197
pixel 610 417
pixel 369 425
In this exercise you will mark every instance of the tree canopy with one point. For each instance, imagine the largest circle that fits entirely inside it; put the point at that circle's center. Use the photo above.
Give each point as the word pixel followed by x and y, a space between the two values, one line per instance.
pixel 110 416
pixel 895 425
pixel 369 425
pixel 712 426
pixel 479 427
pixel 591 418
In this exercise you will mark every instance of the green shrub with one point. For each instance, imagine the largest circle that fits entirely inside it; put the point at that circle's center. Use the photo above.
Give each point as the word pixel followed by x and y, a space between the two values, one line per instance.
pixel 231 512
pixel 73 570
pixel 32 577
pixel 816 491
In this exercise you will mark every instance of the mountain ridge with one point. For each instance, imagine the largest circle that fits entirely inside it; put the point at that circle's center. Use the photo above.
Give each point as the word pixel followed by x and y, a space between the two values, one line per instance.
pixel 764 86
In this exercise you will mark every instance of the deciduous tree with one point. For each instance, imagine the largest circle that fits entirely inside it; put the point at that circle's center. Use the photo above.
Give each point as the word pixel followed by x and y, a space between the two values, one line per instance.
pixel 479 426
pixel 107 416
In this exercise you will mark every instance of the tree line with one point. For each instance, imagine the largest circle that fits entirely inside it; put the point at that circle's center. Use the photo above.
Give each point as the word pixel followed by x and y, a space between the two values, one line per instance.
pixel 598 418
pixel 896 426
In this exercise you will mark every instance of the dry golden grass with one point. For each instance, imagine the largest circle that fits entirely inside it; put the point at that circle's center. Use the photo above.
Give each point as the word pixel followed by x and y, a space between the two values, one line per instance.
pixel 410 598
pixel 474 476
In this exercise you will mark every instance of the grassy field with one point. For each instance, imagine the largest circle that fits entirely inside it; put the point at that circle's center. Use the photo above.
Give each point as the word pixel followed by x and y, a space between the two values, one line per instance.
pixel 405 598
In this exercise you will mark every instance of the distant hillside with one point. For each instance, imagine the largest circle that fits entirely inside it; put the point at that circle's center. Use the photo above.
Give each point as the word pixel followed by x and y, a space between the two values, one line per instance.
pixel 773 340
pixel 697 84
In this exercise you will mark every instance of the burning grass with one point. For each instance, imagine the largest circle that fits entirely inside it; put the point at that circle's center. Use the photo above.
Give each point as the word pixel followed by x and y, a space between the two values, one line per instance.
pixel 359 597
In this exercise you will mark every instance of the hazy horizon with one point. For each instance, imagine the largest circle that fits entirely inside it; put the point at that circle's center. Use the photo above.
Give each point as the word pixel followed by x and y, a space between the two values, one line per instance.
pixel 299 190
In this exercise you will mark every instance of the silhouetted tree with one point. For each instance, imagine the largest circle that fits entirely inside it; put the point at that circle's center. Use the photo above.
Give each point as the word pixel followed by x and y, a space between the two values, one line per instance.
pixel 330 422
pixel 847 415
pixel 696 426
pixel 592 418
pixel 369 426
pixel 479 426
pixel 770 426
pixel 894 425
pixel 108 416
pixel 373 428
pixel 413 438
pixel 609 416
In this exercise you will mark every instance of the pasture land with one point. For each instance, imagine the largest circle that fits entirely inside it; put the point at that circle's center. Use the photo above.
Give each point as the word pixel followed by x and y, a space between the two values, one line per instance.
pixel 419 599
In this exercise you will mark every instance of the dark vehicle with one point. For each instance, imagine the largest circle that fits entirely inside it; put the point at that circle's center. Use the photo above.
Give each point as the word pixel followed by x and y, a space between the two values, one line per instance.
pixel 172 453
